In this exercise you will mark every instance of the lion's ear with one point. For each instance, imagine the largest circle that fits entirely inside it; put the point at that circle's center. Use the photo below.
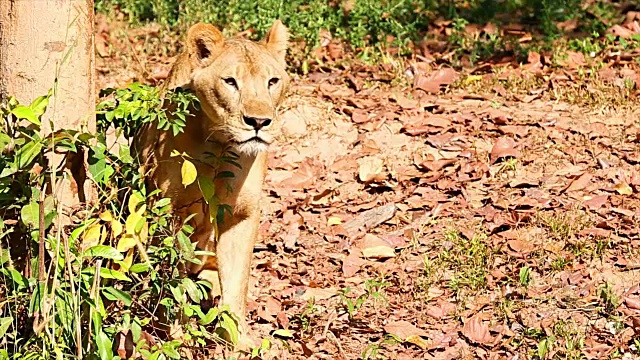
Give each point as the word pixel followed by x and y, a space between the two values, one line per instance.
pixel 204 41
pixel 277 41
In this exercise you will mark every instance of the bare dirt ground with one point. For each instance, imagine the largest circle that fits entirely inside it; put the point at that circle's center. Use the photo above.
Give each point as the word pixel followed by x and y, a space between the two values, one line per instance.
pixel 417 212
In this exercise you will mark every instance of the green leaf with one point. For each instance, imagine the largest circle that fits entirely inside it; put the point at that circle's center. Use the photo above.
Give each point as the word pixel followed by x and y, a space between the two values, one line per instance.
pixel 228 324
pixel 169 349
pixel 98 167
pixel 265 344
pixel 104 346
pixel 27 153
pixel 23 112
pixel 4 140
pixel 4 253
pixel 64 307
pixel 35 305
pixel 225 174
pixel 178 294
pixel 30 214
pixel 189 173
pixel 162 203
pixel 192 289
pixel 18 279
pixel 5 322
pixel 204 253
pixel 139 268
pixel 49 211
pixel 287 334
pixel 125 154
pixel 207 188
pixel 136 329
pixel 113 274
pixel 104 251
pixel 114 294
pixel 185 245
pixel 39 105
pixel 211 315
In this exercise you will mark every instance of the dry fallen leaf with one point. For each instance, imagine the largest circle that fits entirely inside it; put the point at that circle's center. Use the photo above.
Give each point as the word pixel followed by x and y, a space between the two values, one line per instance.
pixel 477 331
pixel 433 82
pixel 360 116
pixel 370 169
pixel 351 264
pixel 293 123
pixel 404 329
pixel 301 178
pixel 521 246
pixel 374 247
pixel 632 303
pixel 623 189
pixel 378 252
pixel 621 31
pixel 318 294
pixel 580 183
pixel 596 202
pixel 504 147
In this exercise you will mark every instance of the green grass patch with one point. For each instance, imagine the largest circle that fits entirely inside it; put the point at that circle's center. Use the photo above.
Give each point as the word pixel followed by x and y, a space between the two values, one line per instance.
pixel 368 26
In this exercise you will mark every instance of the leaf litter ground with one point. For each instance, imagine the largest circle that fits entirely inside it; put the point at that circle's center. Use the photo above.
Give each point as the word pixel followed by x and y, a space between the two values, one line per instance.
pixel 422 212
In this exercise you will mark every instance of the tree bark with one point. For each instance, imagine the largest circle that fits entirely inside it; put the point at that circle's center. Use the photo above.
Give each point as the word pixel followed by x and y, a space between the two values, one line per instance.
pixel 48 44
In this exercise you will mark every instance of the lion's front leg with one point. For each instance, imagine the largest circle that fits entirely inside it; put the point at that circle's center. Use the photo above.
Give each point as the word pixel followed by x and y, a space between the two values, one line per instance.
pixel 234 252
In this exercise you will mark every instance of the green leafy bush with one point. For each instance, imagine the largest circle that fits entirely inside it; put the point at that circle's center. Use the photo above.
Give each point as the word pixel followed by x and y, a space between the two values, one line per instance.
pixel 114 271
pixel 362 23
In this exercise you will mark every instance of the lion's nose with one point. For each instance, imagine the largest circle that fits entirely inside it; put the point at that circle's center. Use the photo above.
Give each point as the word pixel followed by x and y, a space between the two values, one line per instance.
pixel 256 123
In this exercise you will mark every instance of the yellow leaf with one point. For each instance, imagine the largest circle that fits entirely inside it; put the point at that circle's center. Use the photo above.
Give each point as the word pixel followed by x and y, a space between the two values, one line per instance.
pixel 103 234
pixel 623 189
pixel 370 169
pixel 92 236
pixel 334 221
pixel 127 262
pixel 417 340
pixel 132 221
pixel 189 173
pixel 126 242
pixel 106 216
pixel 378 252
pixel 134 200
pixel 213 212
pixel 374 247
pixel 143 234
pixel 116 228
pixel 472 78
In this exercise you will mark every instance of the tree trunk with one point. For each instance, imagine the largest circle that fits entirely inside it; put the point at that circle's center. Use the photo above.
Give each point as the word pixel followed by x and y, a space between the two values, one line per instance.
pixel 48 44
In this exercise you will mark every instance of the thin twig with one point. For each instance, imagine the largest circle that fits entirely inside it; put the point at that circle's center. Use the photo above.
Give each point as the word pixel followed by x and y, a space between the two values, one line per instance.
pixel 337 343
pixel 93 293
pixel 70 278
pixel 41 278
pixel 332 316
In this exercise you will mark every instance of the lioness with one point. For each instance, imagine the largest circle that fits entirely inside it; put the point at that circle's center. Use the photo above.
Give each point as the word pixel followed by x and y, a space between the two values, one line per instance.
pixel 240 85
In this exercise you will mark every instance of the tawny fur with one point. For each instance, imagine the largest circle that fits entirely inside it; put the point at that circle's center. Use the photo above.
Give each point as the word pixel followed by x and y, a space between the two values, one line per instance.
pixel 234 79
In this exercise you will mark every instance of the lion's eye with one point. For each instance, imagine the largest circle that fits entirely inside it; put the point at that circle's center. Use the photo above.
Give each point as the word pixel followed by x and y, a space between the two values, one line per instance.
pixel 231 82
pixel 273 81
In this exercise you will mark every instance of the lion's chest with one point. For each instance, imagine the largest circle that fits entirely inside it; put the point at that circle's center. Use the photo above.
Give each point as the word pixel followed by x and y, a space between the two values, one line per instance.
pixel 237 187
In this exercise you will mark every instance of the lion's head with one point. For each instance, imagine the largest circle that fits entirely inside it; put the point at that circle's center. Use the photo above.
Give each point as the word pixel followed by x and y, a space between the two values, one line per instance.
pixel 240 84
